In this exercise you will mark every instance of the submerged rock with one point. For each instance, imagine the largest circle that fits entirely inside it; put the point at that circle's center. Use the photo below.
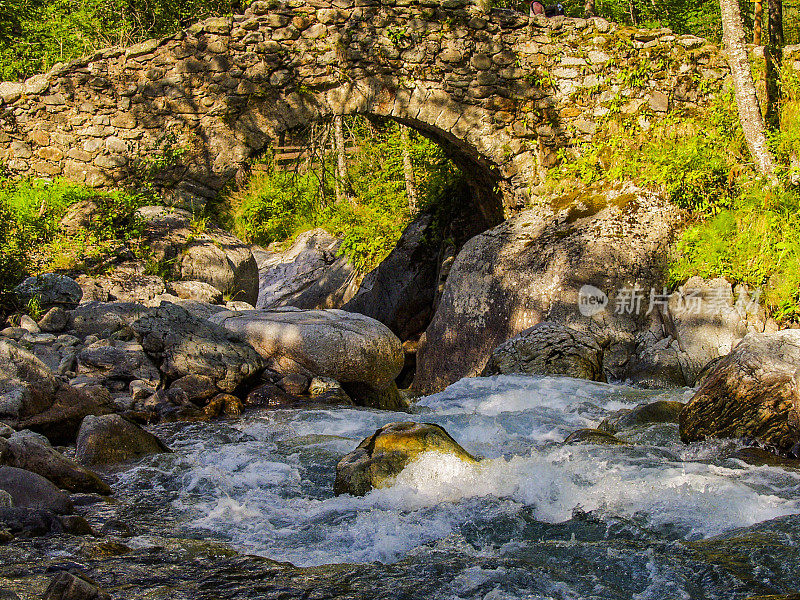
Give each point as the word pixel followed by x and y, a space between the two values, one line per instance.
pixel 112 439
pixel 754 393
pixel 594 436
pixel 661 411
pixel 388 451
pixel 549 349
pixel 348 347
pixel 67 586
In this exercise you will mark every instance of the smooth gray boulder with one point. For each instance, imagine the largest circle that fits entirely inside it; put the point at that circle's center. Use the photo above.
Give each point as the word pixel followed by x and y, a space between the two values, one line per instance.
pixel 92 318
pixel 26 450
pixel 29 490
pixel 548 349
pixel 183 344
pixel 27 385
pixel 348 347
pixel 199 291
pixel 50 290
pixel 118 362
pixel 112 439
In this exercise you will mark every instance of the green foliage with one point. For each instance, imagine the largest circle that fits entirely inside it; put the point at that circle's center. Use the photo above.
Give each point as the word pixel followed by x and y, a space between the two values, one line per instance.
pixel 277 205
pixel 35 34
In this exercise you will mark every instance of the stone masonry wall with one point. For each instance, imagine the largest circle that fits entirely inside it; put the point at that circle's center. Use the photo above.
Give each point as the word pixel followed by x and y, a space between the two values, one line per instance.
pixel 500 91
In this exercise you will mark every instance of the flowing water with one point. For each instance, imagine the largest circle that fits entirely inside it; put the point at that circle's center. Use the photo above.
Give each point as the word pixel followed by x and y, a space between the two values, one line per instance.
pixel 534 519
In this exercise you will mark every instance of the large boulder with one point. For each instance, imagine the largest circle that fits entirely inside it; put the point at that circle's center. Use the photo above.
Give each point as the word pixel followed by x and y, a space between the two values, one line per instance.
pixel 25 450
pixel 380 457
pixel 68 586
pixel 549 349
pixel 182 344
pixel 604 245
pixel 50 290
pixel 111 439
pixel 400 292
pixel 31 397
pixel 309 274
pixel 93 318
pixel 754 393
pixel 201 251
pixel 115 361
pixel 29 490
pixel 348 347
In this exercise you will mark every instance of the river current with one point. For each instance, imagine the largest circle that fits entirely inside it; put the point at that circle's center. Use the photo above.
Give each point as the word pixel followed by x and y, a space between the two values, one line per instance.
pixel 534 519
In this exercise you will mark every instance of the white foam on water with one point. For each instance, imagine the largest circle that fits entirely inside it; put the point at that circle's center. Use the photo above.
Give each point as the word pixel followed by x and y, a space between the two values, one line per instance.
pixel 271 493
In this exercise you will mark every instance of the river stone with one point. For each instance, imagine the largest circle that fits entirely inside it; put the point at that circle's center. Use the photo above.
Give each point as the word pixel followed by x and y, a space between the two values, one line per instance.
pixel 122 361
pixel 593 436
pixel 199 291
pixel 29 490
pixel 201 252
pixel 380 457
pixel 182 344
pixel 752 393
pixel 351 348
pixel 27 386
pixel 68 586
pixel 55 320
pixel 93 318
pixel 197 387
pixel 661 411
pixel 400 292
pixel 112 439
pixel 531 268
pixel 549 349
pixel 50 290
pixel 295 383
pixel 25 451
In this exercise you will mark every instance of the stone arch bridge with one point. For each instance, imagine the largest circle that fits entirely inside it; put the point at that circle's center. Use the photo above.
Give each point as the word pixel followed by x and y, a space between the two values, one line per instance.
pixel 500 91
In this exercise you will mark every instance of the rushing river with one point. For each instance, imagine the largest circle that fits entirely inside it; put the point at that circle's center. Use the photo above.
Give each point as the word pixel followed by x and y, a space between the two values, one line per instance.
pixel 534 519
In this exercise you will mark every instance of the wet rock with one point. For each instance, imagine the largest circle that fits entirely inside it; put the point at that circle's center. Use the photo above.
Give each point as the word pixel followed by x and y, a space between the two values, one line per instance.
pixel 29 490
pixel 380 457
pixel 94 318
pixel 50 290
pixel 226 405
pixel 182 344
pixel 754 392
pixel 198 388
pixel 348 347
pixel 199 291
pixel 141 390
pixel 400 292
pixel 308 275
pixel 761 457
pixel 201 252
pixel 593 436
pixel 112 439
pixel 295 383
pixel 549 349
pixel 531 268
pixel 67 586
pixel 661 411
pixel 25 451
pixel 55 320
pixel 269 395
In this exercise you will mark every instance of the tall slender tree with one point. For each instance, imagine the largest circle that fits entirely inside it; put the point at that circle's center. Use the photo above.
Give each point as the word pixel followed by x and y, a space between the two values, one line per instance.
pixel 758 19
pixel 773 56
pixel 408 170
pixel 589 9
pixel 745 89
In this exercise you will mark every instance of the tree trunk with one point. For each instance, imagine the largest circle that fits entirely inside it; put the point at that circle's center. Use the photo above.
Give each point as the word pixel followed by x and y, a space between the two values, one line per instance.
pixel 745 90
pixel 634 12
pixel 341 162
pixel 758 19
pixel 408 170
pixel 773 56
pixel 589 9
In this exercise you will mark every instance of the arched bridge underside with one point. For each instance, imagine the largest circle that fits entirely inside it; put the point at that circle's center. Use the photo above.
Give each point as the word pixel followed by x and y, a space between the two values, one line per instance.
pixel 501 92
